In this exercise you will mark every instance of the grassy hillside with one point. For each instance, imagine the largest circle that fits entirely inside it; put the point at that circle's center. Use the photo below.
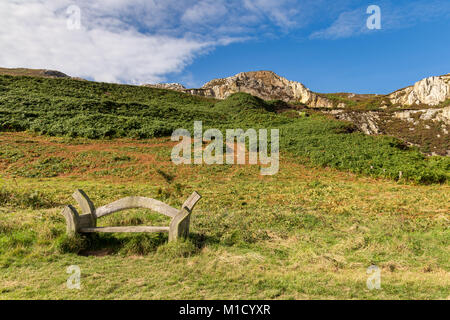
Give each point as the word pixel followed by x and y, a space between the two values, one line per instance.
pixel 305 233
pixel 41 73
pixel 373 102
pixel 65 107
pixel 308 232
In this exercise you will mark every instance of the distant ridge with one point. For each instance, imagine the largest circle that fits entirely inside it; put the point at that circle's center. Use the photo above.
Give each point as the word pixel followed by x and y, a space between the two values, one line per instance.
pixel 268 85
pixel 33 72
pixel 426 126
pixel 42 73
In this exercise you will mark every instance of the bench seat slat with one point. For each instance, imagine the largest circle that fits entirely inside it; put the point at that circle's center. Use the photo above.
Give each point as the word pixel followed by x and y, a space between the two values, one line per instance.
pixel 125 229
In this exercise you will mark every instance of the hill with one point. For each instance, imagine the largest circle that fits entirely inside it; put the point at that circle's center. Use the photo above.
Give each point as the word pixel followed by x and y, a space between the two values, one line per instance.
pixel 44 73
pixel 308 232
pixel 266 85
pixel 419 114
pixel 66 107
pixel 304 233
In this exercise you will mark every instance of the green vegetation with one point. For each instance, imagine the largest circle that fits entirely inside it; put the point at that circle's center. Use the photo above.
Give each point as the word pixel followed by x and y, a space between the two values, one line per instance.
pixel 24 199
pixel 446 103
pixel 305 233
pixel 31 72
pixel 71 108
pixel 309 232
pixel 362 102
pixel 325 143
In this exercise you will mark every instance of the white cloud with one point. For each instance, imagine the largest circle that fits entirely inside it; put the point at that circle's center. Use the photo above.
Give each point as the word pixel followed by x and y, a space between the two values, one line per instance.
pixel 35 35
pixel 131 41
pixel 205 11
pixel 353 22
pixel 348 24
pixel 136 41
pixel 282 12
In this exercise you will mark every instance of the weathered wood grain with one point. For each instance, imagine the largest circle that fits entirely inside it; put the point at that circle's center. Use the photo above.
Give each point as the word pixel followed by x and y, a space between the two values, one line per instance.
pixel 136 202
pixel 88 219
pixel 190 203
pixel 87 206
pixel 72 220
pixel 138 229
pixel 179 226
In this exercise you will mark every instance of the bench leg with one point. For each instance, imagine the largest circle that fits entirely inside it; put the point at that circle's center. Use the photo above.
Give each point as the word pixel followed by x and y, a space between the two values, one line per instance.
pixel 87 208
pixel 72 220
pixel 179 227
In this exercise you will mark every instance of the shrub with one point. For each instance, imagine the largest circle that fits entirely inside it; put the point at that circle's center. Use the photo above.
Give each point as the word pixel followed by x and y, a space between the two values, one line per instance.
pixel 72 244
pixel 142 244
pixel 25 199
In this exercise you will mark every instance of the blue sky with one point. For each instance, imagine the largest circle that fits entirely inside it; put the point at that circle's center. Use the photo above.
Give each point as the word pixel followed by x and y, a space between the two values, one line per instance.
pixel 324 44
pixel 381 62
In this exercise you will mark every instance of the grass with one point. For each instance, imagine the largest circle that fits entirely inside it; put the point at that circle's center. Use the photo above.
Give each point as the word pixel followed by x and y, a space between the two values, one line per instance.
pixel 305 233
pixel 309 232
pixel 30 72
pixel 81 109
pixel 359 102
pixel 373 102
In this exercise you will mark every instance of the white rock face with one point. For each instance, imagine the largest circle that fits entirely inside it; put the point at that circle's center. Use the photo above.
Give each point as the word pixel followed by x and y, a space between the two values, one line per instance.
pixel 430 91
pixel 367 122
pixel 435 115
pixel 169 86
pixel 266 85
pixel 269 86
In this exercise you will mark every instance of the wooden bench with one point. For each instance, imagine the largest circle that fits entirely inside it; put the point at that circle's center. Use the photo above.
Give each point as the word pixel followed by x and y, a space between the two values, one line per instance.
pixel 87 221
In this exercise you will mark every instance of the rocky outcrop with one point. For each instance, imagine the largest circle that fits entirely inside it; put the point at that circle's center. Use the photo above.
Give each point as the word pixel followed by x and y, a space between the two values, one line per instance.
pixel 425 124
pixel 366 122
pixel 427 129
pixel 54 74
pixel 266 85
pixel 168 86
pixel 201 92
pixel 430 91
pixel 263 84
pixel 436 115
pixel 269 86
